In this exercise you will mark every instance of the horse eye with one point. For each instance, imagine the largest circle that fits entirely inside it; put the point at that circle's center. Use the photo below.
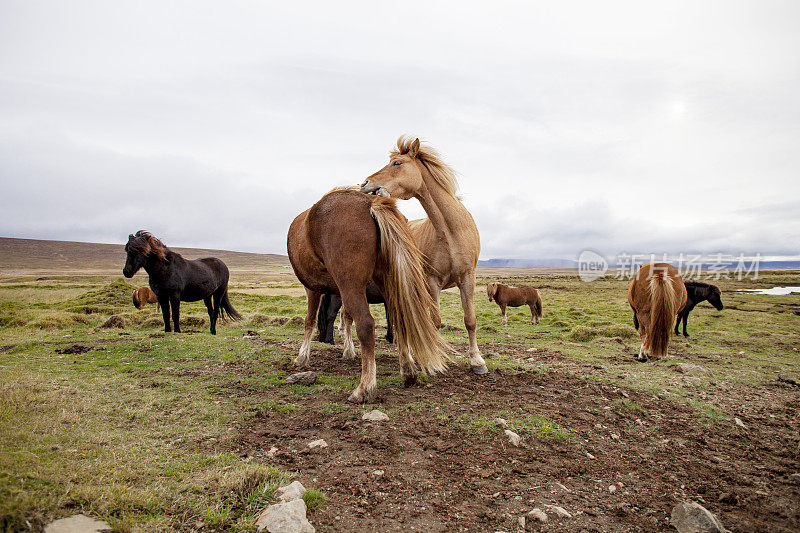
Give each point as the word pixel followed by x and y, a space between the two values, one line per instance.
pixel 397 163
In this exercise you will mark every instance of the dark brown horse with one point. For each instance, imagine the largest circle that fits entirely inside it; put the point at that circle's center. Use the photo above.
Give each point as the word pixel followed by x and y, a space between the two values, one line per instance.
pixel 175 279
pixel 696 292
pixel 515 297
pixel 656 295
pixel 341 244
pixel 143 296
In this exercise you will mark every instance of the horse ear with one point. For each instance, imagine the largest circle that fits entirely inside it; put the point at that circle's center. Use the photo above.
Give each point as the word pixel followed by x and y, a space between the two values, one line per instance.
pixel 130 237
pixel 414 150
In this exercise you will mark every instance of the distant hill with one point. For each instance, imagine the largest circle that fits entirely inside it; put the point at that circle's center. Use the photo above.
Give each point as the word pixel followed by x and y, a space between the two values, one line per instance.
pixel 41 255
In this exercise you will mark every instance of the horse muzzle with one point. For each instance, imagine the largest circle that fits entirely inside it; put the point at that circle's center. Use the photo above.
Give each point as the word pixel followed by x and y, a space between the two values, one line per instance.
pixel 377 190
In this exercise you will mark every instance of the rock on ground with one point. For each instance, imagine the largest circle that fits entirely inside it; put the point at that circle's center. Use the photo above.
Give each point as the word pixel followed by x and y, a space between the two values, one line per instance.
pixel 501 423
pixel 293 491
pixel 560 511
pixel 77 524
pixel 319 443
pixel 538 514
pixel 691 517
pixel 303 378
pixel 685 368
pixel 375 416
pixel 512 437
pixel 287 517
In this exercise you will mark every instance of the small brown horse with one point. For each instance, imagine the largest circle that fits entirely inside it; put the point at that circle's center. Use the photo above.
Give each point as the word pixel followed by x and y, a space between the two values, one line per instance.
pixel 656 295
pixel 142 296
pixel 515 297
pixel 339 246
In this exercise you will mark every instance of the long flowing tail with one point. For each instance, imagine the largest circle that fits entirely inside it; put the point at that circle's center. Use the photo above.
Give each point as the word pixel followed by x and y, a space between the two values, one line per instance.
pixel 537 306
pixel 663 308
pixel 412 311
pixel 226 308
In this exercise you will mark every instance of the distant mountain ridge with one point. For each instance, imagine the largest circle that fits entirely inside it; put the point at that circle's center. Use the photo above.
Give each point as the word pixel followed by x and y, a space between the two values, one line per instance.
pixel 34 254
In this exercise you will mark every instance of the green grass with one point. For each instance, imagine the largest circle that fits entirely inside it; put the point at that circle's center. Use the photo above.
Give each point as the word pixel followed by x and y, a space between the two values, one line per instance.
pixel 135 430
pixel 315 499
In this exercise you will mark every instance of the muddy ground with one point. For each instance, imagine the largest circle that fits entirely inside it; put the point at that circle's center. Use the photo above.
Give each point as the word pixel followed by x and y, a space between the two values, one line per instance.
pixel 439 464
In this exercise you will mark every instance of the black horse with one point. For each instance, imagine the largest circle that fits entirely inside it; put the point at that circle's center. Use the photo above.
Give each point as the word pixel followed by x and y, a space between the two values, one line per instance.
pixel 329 308
pixel 696 292
pixel 175 279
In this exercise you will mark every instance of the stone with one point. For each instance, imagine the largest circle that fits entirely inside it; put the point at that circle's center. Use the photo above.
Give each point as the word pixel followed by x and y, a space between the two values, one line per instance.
pixel 501 422
pixel 686 368
pixel 612 489
pixel 738 422
pixel 287 517
pixel 378 473
pixel 795 477
pixel 560 511
pixel 589 455
pixel 513 437
pixel 292 491
pixel 691 517
pixel 272 451
pixel 78 523
pixel 319 443
pixel 538 514
pixel 375 416
pixel 302 378
pixel 521 522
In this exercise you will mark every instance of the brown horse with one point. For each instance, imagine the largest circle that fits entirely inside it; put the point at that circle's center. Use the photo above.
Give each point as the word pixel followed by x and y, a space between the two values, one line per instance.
pixel 448 238
pixel 340 245
pixel 515 297
pixel 656 295
pixel 142 296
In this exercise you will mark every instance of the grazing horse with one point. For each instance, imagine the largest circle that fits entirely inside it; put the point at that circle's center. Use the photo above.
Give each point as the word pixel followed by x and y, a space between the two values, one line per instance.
pixel 696 292
pixel 656 295
pixel 339 246
pixel 515 297
pixel 175 279
pixel 448 238
pixel 329 308
pixel 142 296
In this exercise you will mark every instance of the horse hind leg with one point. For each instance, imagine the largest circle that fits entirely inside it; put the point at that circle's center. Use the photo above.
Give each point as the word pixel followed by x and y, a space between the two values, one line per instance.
pixel 345 329
pixel 310 323
pixel 355 302
pixel 211 318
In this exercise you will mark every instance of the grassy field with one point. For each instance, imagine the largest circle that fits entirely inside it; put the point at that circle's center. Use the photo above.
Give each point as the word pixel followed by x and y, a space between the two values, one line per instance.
pixel 158 432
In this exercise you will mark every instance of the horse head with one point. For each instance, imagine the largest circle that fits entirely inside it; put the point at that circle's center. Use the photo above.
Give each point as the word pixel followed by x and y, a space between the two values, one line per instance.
pixel 714 297
pixel 139 248
pixel 491 289
pixel 402 177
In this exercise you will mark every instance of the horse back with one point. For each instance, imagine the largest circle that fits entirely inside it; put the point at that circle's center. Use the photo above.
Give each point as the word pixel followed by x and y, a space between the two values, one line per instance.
pixel 337 233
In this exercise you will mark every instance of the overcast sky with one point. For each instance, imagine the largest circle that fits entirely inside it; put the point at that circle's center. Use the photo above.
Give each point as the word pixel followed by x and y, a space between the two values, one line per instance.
pixel 623 127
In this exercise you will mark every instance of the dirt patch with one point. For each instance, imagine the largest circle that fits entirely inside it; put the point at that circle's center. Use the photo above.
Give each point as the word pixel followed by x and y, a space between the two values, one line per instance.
pixel 74 349
pixel 445 467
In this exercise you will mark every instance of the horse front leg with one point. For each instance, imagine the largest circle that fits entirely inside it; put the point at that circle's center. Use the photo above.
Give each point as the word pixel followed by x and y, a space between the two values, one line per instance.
pixel 164 303
pixel 467 290
pixel 175 303
pixel 644 324
pixel 685 319
pixel 310 323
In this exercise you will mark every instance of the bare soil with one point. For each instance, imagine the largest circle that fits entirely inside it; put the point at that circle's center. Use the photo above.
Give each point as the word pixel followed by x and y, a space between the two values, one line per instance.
pixel 441 472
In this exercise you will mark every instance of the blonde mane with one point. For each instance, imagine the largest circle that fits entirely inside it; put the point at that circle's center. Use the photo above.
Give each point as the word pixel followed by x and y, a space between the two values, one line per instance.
pixel 441 172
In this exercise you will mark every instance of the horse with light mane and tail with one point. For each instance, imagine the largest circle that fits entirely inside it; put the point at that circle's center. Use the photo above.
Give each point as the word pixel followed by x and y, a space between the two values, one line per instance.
pixel 448 238
pixel 341 244
pixel 656 295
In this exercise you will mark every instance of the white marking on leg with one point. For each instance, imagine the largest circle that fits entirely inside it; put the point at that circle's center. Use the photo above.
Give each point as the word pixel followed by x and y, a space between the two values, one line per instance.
pixel 347 335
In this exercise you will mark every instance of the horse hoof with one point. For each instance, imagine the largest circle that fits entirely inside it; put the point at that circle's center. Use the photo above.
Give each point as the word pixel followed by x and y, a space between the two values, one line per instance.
pixel 642 358
pixel 479 370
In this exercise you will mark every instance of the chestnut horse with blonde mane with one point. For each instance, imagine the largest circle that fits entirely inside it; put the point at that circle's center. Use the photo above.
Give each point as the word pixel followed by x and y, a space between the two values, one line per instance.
pixel 143 296
pixel 339 246
pixel 448 238
pixel 657 294
pixel 515 297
